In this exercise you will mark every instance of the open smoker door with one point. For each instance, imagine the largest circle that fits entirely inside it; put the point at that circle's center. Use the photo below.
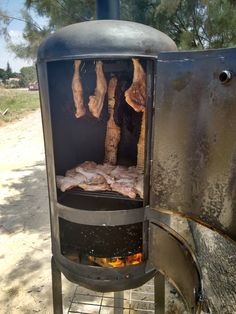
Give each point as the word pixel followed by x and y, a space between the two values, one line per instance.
pixel 193 162
pixel 194 142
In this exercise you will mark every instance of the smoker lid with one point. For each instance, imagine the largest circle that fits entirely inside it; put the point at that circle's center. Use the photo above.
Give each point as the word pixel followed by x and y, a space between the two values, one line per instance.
pixel 104 37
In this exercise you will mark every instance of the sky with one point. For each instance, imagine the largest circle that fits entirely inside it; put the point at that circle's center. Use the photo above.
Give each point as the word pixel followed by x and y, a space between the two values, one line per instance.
pixel 13 7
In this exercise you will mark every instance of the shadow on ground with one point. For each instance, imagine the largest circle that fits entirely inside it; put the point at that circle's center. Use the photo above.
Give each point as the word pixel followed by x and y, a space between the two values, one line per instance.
pixel 25 277
pixel 26 206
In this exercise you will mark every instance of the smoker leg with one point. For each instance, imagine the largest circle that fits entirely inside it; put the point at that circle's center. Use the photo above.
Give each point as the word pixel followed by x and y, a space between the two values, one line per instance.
pixel 56 288
pixel 159 290
pixel 118 302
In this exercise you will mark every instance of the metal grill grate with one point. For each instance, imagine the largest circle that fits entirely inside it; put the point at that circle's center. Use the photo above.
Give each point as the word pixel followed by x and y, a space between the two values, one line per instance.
pixel 139 300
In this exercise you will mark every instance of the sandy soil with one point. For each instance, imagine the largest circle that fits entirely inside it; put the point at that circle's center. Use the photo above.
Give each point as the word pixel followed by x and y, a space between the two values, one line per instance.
pixel 25 278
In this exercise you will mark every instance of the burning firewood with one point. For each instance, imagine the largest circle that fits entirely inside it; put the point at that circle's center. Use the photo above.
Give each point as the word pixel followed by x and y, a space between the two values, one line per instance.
pixel 77 90
pixel 113 131
pixel 117 261
pixel 97 100
pixel 135 96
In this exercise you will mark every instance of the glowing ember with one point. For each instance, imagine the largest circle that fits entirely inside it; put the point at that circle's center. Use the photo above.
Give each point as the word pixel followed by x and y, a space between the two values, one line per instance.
pixel 117 261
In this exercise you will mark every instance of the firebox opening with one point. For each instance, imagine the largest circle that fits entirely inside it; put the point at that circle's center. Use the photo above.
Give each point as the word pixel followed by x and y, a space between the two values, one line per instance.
pixel 105 246
pixel 98 125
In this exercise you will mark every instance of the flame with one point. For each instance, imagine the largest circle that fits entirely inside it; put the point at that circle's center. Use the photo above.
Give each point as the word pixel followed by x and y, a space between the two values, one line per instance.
pixel 114 262
pixel 135 259
pixel 117 261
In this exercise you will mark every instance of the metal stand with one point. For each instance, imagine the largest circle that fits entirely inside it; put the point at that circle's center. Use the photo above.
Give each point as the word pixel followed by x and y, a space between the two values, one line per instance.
pixel 159 292
pixel 56 288
pixel 118 302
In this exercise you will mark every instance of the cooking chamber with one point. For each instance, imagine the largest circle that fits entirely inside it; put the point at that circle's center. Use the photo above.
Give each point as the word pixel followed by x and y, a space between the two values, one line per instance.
pixel 83 139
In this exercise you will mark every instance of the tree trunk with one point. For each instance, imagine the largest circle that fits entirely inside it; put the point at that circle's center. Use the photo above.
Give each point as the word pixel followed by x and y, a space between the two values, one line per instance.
pixel 217 259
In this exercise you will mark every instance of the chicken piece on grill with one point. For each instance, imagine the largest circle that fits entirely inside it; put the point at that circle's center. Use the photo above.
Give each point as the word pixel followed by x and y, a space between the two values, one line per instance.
pixel 77 90
pixel 96 101
pixel 67 183
pixel 113 131
pixel 96 173
pixel 71 173
pixel 124 187
pixel 136 95
pixel 139 186
pixel 121 172
pixel 95 187
pixel 88 165
pixel 106 168
pixel 92 176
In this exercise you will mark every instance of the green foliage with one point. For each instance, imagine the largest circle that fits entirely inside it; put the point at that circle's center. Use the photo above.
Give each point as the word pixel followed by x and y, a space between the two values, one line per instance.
pixel 8 70
pixel 4 23
pixel 192 24
pixel 27 75
pixel 63 12
pixel 220 23
pixel 6 74
pixel 3 75
pixel 33 35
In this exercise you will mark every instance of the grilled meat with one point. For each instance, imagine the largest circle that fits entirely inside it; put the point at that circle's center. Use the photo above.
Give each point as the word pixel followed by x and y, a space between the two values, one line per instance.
pixel 92 177
pixel 135 96
pixel 77 90
pixel 113 130
pixel 97 100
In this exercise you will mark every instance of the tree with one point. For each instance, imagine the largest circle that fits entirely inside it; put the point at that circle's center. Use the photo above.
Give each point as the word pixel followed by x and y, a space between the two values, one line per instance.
pixel 192 24
pixel 198 24
pixel 8 71
pixel 3 75
pixel 27 75
pixel 33 35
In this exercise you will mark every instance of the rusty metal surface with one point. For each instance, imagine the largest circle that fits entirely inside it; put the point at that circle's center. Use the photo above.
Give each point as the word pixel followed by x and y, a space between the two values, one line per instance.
pixel 194 154
pixel 172 257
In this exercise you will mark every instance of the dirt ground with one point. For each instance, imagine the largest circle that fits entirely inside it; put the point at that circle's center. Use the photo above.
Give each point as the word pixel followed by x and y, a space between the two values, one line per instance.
pixel 25 278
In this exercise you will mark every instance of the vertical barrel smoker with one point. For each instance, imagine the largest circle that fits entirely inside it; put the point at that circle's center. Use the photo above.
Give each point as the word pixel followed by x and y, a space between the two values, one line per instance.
pixel 123 139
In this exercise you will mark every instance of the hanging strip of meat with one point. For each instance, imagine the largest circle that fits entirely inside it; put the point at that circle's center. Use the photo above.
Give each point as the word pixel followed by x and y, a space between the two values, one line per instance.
pixel 141 145
pixel 113 131
pixel 96 101
pixel 136 95
pixel 77 90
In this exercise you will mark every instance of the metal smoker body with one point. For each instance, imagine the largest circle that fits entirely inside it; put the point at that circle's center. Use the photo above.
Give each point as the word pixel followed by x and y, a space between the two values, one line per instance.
pixel 190 157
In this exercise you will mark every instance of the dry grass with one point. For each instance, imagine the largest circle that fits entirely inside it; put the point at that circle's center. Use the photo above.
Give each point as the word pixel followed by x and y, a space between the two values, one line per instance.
pixel 16 103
